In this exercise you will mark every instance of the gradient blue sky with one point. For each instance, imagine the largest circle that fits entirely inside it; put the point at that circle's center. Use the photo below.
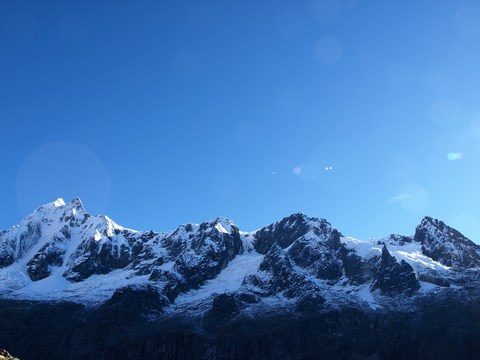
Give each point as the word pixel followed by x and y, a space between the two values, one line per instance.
pixel 159 113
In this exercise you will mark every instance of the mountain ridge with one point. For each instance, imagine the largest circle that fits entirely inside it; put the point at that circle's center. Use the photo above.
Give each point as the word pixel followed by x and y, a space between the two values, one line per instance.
pixel 68 251
pixel 293 289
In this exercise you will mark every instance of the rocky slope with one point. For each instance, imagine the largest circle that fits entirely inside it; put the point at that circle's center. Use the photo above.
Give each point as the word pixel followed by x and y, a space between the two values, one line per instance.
pixel 213 291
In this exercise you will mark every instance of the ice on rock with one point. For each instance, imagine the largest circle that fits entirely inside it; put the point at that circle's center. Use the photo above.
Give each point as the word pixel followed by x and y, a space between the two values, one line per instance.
pixel 61 252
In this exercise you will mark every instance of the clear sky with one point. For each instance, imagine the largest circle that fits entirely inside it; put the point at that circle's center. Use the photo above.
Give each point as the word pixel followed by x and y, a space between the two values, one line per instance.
pixel 158 113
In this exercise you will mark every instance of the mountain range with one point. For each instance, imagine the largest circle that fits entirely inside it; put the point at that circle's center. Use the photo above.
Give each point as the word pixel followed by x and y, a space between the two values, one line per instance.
pixel 73 285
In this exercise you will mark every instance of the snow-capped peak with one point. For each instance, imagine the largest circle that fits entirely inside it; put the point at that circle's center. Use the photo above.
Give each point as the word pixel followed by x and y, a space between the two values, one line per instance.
pixel 76 203
pixel 60 250
pixel 58 210
pixel 223 224
pixel 58 202
pixel 446 245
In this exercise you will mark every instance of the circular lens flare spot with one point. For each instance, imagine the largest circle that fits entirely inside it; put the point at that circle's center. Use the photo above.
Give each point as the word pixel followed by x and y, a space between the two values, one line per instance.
pixel 297 170
pixel 454 156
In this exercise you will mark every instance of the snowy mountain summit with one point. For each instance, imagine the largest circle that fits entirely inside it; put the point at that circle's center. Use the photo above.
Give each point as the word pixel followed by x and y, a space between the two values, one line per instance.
pixel 73 285
pixel 60 252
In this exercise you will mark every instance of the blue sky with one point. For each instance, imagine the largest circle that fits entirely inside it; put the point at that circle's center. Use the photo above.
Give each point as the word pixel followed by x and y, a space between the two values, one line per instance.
pixel 158 113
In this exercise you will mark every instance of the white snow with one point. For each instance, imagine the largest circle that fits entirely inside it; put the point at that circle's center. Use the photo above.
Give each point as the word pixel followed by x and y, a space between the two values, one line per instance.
pixel 15 282
pixel 221 229
pixel 366 295
pixel 364 248
pixel 59 202
pixel 427 287
pixel 95 289
pixel 229 280
pixel 410 252
pixel 247 240
pixel 168 266
pixel 223 225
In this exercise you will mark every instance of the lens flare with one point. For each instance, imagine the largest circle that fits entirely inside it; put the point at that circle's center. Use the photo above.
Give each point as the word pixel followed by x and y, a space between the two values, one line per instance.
pixel 297 170
pixel 454 156
pixel 413 198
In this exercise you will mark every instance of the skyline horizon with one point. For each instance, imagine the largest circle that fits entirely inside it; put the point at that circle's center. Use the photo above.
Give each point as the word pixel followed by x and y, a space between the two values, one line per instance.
pixel 62 202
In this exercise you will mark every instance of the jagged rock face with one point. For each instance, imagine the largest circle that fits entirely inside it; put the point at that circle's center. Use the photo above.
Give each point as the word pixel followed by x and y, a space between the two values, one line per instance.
pixel 144 254
pixel 51 254
pixel 51 222
pixel 199 253
pixel 29 237
pixel 398 239
pixel 283 233
pixel 318 251
pixel 6 254
pixel 393 277
pixel 169 282
pixel 311 244
pixel 276 276
pixel 82 244
pixel 356 269
pixel 446 245
pixel 319 256
pixel 177 242
pixel 17 241
pixel 54 225
pixel 94 258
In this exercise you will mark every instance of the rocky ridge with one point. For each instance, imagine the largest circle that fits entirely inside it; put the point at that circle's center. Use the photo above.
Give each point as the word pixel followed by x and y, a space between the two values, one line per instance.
pixel 68 252
pixel 212 291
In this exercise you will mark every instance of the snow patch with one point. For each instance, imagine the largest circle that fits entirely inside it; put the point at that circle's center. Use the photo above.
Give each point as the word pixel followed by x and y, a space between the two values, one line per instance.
pixel 59 202
pixel 366 295
pixel 229 280
pixel 223 225
pixel 93 290
pixel 363 248
pixel 428 287
pixel 221 229
pixel 410 252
